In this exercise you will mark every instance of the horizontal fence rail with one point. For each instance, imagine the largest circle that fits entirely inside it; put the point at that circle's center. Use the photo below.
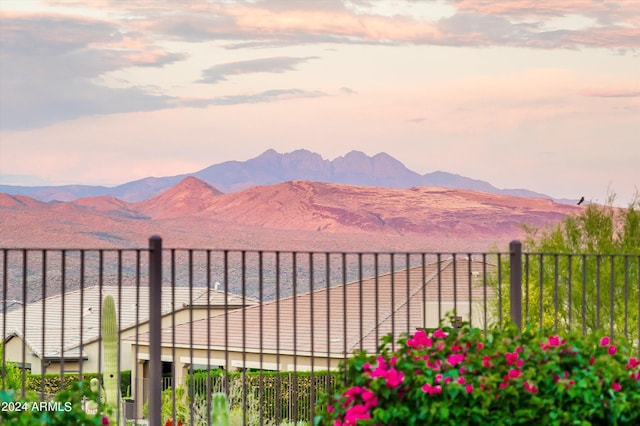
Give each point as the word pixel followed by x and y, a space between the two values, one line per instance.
pixel 269 328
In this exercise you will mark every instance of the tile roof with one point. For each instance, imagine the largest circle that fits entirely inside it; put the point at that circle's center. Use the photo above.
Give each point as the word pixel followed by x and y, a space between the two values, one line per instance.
pixel 85 306
pixel 342 318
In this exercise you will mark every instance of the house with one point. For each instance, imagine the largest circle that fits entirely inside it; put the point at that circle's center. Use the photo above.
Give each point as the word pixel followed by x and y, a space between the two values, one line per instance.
pixel 68 338
pixel 319 329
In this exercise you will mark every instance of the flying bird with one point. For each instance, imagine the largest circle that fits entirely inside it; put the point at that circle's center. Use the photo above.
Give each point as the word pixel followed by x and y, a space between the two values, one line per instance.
pixel 581 200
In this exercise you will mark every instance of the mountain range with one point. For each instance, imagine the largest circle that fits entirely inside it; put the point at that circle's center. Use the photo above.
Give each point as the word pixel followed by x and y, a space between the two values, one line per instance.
pixel 271 167
pixel 292 215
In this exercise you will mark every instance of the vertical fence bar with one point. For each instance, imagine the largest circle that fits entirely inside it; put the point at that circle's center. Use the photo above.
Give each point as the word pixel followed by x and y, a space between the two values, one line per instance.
pixel 584 295
pixel 312 392
pixel 24 321
pixel 612 285
pixel 515 282
pixel 82 260
pixel 261 398
pixel 294 394
pixel 155 322
pixel 470 276
pixel 484 293
pixel 454 261
pixel 556 294
pixel 278 375
pixel 570 284
pixel 626 297
pixel 500 284
pixel 100 350
pixel 63 278
pixel 360 302
pixel 438 261
pixel 526 287
pixel 5 271
pixel 328 303
pixel 638 291
pixel 43 361
pixel 541 291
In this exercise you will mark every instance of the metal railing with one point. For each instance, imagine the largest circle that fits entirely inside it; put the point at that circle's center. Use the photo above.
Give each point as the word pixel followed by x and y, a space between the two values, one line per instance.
pixel 270 328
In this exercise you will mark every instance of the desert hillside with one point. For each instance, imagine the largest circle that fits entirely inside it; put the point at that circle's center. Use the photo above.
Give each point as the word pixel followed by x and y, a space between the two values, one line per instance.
pixel 294 215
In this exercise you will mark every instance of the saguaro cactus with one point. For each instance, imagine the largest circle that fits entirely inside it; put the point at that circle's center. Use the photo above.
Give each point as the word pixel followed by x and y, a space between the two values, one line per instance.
pixel 110 351
pixel 219 410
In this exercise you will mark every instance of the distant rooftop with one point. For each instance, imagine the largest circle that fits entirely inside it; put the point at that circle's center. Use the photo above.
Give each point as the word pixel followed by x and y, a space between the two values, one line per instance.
pixel 84 307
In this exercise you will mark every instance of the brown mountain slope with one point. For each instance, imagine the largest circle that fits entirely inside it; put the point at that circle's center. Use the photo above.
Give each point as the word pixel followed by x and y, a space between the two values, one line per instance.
pixel 314 206
pixel 297 215
pixel 189 196
pixel 108 205
pixel 18 202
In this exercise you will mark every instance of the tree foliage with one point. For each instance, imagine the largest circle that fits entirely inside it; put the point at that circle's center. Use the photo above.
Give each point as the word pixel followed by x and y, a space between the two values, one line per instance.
pixel 584 273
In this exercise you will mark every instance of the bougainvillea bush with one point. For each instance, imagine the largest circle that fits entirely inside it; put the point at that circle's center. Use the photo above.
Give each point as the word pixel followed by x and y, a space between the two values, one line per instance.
pixel 464 376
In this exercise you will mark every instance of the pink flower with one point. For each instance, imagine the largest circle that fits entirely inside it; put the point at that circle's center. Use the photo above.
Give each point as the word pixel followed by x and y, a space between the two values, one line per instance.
pixel 554 341
pixel 514 374
pixel 592 360
pixel 486 361
pixel 616 386
pixel 355 413
pixel 605 341
pixel 461 380
pixel 330 409
pixel 469 388
pixel 529 387
pixel 511 357
pixel 431 390
pixel 439 334
pixel 439 378
pixel 480 346
pixel 394 378
pixel 370 399
pixel 420 340
pixel 633 363
pixel 612 350
pixel 351 393
pixel 520 363
pixel 455 359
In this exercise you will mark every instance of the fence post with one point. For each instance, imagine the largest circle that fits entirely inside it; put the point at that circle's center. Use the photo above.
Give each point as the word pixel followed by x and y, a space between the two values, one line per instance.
pixel 515 282
pixel 155 348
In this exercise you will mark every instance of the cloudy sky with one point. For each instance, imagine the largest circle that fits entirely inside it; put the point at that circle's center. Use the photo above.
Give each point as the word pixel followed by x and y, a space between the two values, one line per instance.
pixel 536 94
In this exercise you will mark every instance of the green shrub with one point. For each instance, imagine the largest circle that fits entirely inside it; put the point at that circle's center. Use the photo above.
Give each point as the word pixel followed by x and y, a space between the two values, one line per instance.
pixel 67 409
pixel 53 385
pixel 459 376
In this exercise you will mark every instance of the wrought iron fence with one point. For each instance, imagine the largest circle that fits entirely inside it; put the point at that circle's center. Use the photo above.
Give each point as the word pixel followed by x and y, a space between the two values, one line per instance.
pixel 270 328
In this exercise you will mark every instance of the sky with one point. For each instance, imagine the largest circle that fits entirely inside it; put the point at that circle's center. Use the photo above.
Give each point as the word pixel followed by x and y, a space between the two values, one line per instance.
pixel 535 94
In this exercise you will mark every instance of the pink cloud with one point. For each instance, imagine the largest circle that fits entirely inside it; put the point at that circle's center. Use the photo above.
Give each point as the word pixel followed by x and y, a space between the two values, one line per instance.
pixel 612 92
pixel 365 27
pixel 547 8
pixel 476 23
